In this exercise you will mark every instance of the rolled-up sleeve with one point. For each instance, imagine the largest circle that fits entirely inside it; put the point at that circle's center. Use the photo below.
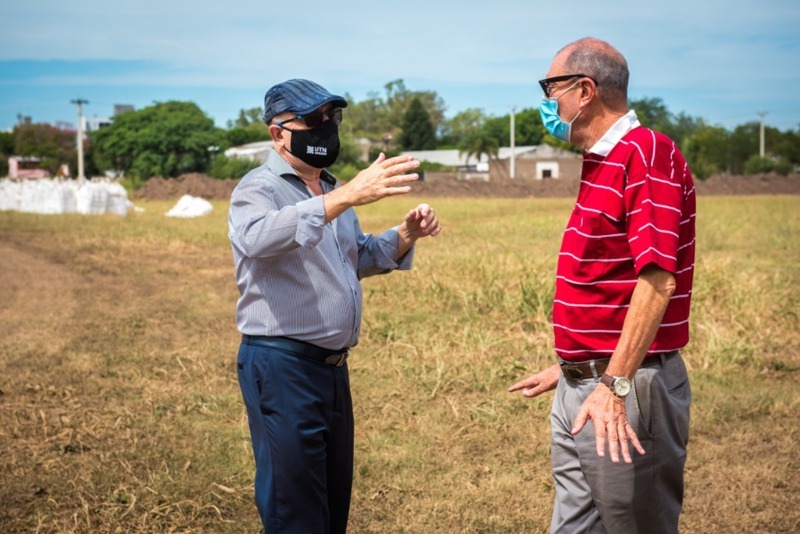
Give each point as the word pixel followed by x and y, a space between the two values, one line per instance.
pixel 378 254
pixel 259 229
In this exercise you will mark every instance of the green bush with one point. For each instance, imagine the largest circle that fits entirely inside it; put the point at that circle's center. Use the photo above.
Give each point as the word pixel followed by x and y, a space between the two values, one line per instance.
pixel 345 172
pixel 225 168
pixel 759 165
pixel 783 167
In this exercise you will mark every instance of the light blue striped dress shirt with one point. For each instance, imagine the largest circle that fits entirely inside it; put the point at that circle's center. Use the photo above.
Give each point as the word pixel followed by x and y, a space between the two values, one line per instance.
pixel 297 276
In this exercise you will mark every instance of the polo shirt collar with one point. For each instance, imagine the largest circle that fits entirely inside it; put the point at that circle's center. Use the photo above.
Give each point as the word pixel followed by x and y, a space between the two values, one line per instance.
pixel 618 130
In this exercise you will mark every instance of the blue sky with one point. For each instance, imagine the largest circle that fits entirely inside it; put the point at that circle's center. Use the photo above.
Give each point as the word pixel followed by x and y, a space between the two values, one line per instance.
pixel 724 61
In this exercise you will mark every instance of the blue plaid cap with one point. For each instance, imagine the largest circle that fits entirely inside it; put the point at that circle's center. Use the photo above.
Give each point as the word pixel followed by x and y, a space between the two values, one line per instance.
pixel 298 96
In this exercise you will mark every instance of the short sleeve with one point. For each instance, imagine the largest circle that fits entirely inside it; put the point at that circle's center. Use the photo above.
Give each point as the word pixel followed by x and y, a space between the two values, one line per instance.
pixel 654 206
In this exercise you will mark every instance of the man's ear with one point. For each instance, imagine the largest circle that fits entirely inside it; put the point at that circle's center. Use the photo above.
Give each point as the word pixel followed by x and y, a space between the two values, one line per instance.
pixel 588 91
pixel 276 132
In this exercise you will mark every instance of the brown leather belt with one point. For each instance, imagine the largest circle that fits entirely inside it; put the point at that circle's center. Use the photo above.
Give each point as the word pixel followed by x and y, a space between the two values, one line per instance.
pixel 594 368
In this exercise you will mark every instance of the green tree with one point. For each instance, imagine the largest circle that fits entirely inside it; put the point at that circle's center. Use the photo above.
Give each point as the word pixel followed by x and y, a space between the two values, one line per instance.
pixel 349 163
pixel 653 114
pixel 7 143
pixel 706 151
pixel 54 146
pixel 683 126
pixel 247 117
pixel 479 143
pixel 380 117
pixel 463 124
pixel 418 132
pixel 742 144
pixel 165 139
pixel 784 145
pixel 529 128
pixel 252 133
pixel 6 150
pixel 225 168
pixel 757 165
pixel 498 128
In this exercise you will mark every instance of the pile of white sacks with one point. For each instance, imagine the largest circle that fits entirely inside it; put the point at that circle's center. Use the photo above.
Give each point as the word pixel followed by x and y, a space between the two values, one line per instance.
pixel 189 206
pixel 64 196
pixel 96 196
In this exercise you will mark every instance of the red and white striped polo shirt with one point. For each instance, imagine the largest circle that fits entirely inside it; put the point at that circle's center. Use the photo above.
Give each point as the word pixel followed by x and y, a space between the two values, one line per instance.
pixel 636 206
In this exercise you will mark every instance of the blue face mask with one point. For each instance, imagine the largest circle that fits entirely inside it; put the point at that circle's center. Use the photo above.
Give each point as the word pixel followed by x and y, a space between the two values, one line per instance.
pixel 548 110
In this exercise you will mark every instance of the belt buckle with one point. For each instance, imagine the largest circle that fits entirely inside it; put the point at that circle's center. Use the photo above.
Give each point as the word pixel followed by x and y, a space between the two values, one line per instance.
pixel 572 372
pixel 337 359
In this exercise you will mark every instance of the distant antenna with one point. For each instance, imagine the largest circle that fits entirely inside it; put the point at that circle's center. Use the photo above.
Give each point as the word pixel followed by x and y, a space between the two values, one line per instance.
pixel 80 102
pixel 761 114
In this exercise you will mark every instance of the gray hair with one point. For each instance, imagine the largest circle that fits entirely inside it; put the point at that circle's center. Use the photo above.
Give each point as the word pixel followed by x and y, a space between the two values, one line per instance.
pixel 602 62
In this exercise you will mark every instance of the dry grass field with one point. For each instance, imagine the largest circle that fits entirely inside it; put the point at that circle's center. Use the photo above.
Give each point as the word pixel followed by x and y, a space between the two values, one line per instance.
pixel 120 410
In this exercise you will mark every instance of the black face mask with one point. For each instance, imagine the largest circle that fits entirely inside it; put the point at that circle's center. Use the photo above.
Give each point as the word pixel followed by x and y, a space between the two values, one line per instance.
pixel 318 147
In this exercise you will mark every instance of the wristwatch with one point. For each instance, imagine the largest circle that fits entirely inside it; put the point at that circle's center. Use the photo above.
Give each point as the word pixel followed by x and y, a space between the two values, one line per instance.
pixel 619 385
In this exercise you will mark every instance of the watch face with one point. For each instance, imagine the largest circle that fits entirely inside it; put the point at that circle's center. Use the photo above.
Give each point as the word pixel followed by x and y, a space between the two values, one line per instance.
pixel 622 386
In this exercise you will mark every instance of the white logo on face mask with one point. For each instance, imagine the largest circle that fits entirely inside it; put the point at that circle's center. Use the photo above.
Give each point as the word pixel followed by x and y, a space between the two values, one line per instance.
pixel 317 150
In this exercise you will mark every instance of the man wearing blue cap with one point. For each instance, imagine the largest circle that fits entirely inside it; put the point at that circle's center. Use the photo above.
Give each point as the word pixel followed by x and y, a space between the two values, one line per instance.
pixel 299 254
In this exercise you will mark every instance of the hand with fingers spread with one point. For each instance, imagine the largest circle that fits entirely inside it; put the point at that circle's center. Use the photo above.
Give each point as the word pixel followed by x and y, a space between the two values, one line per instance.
pixel 385 177
pixel 539 383
pixel 607 412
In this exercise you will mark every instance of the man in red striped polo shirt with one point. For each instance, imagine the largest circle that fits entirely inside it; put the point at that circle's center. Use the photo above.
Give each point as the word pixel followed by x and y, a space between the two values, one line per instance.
pixel 621 310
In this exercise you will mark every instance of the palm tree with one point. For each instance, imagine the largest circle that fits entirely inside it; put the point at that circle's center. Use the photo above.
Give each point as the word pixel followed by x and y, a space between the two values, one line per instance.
pixel 477 144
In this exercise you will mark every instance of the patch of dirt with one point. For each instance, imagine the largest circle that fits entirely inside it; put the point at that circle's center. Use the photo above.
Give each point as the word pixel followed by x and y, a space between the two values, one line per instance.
pixel 195 184
pixel 200 185
pixel 764 184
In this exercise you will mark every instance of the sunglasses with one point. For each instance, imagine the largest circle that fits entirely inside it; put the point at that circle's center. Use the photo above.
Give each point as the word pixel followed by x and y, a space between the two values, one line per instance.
pixel 547 83
pixel 315 118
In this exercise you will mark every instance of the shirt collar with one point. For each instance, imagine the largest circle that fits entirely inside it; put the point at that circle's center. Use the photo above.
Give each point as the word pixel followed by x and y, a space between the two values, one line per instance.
pixel 278 165
pixel 618 130
pixel 281 168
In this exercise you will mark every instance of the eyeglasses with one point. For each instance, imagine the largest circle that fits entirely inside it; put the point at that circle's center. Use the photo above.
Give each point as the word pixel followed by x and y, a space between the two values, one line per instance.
pixel 547 83
pixel 315 118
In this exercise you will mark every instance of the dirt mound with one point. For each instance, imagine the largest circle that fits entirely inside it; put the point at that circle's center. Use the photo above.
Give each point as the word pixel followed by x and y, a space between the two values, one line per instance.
pixel 195 184
pixel 504 188
pixel 763 184
pixel 200 185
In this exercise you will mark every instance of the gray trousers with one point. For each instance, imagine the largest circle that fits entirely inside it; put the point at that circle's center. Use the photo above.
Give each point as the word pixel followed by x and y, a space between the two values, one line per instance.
pixel 594 495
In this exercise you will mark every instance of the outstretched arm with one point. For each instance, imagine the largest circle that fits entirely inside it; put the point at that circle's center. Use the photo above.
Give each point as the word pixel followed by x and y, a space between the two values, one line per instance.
pixel 384 178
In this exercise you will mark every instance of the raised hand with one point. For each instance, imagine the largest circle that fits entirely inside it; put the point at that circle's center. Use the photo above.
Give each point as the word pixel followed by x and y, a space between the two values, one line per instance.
pixel 385 177
pixel 421 222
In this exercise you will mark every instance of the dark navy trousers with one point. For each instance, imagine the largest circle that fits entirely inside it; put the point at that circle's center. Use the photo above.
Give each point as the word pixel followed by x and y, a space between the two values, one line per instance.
pixel 301 423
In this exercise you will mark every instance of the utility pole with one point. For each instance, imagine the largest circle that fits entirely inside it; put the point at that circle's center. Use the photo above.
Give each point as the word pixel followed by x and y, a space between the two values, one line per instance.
pixel 80 103
pixel 513 132
pixel 761 131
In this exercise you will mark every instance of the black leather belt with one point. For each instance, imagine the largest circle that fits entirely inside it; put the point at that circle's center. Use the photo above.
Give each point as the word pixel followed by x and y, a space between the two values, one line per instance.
pixel 299 348
pixel 595 368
